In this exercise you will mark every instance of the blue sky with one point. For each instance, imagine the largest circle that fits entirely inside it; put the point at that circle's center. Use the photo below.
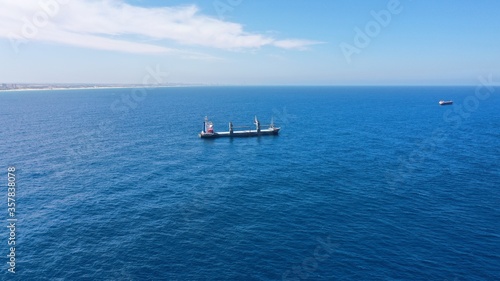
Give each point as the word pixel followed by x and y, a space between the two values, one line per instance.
pixel 251 42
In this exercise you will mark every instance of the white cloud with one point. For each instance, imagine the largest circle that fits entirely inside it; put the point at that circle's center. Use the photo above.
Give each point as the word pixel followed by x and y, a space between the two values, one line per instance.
pixel 117 26
pixel 294 44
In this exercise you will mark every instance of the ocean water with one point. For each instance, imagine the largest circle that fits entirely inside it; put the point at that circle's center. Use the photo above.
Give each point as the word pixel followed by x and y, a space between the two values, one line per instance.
pixel 363 183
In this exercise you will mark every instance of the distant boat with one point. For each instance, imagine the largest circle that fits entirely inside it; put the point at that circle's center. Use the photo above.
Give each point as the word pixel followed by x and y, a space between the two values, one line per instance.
pixel 208 130
pixel 445 102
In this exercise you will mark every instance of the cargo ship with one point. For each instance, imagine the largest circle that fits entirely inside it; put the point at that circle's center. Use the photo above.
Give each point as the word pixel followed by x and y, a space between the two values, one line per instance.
pixel 209 132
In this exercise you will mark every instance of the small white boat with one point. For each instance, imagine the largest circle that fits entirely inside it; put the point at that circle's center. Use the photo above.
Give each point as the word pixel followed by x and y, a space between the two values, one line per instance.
pixel 445 102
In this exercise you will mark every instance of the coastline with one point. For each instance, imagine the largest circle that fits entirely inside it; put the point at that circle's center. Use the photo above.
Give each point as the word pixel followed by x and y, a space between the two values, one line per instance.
pixel 61 88
pixel 92 88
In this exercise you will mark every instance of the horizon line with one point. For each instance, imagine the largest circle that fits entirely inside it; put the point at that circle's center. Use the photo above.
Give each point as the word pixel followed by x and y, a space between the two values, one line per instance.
pixel 3 86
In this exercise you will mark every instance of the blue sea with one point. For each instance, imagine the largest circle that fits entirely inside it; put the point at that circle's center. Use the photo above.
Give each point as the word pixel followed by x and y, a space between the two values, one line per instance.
pixel 362 183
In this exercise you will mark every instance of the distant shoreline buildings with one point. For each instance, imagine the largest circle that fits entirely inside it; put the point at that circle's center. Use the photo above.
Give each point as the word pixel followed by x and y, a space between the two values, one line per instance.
pixel 28 86
pixel 6 86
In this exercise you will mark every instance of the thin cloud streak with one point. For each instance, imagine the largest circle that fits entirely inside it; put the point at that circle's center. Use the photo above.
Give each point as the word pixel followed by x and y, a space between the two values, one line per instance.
pixel 111 25
pixel 295 44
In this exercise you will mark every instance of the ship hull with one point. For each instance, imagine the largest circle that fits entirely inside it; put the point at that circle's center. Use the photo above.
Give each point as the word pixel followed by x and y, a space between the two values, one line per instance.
pixel 240 134
pixel 445 102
